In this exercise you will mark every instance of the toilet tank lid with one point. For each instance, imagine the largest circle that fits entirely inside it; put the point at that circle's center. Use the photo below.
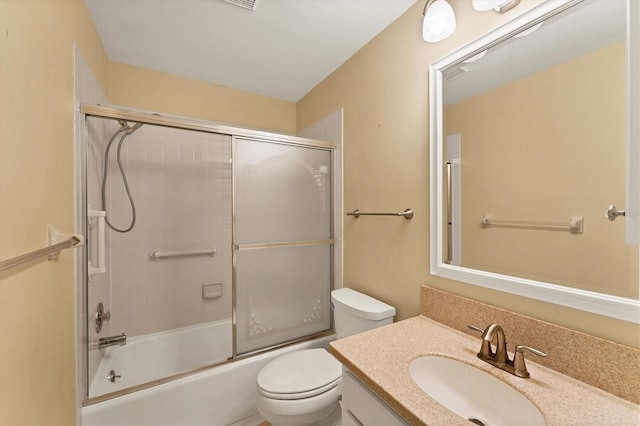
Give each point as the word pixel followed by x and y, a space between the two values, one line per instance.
pixel 361 305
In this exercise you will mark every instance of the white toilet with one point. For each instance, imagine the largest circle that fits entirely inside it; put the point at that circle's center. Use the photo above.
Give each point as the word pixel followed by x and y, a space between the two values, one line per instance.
pixel 302 388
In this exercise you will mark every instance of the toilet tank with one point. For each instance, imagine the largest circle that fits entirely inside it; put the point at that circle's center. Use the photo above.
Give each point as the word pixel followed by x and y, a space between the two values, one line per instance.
pixel 355 312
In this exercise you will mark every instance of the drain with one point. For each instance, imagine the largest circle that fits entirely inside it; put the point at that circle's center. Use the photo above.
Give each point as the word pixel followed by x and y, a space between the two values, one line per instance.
pixel 477 421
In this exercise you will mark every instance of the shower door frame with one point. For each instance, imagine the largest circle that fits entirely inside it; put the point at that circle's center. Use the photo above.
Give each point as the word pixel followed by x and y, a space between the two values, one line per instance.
pixel 178 122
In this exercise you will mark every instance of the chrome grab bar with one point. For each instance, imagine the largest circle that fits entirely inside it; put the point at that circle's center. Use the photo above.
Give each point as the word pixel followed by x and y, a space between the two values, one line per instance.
pixel 407 214
pixel 157 253
pixel 51 251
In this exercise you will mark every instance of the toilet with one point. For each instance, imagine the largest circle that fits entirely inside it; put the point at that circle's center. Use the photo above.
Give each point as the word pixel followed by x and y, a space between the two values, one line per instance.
pixel 303 387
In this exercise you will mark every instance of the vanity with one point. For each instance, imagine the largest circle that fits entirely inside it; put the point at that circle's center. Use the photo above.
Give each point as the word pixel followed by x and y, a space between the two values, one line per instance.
pixel 379 361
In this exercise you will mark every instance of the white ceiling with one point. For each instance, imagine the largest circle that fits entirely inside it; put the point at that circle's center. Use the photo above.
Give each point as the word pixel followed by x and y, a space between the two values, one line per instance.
pixel 282 49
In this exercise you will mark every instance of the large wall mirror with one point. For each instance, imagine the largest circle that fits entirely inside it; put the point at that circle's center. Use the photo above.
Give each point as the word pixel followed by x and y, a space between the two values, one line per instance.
pixel 533 136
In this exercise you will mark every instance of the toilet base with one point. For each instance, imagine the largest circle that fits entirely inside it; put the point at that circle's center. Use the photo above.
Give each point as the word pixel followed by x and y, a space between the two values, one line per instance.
pixel 330 416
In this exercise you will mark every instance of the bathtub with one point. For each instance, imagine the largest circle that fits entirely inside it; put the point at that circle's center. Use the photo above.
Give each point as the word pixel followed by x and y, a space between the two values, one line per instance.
pixel 154 356
pixel 219 395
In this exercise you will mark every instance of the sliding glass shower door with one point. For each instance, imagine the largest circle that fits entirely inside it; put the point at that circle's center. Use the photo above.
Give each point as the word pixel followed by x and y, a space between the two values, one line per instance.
pixel 283 242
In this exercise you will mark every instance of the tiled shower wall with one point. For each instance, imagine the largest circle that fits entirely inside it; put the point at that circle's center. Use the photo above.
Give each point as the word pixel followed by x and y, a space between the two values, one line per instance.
pixel 180 182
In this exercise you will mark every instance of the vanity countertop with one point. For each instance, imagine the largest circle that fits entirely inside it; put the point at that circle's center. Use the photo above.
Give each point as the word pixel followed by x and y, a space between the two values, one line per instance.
pixel 380 358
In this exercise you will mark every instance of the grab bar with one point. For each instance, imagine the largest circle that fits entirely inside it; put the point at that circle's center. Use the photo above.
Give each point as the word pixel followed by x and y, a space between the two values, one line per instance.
pixel 407 214
pixel 52 250
pixel 575 225
pixel 157 253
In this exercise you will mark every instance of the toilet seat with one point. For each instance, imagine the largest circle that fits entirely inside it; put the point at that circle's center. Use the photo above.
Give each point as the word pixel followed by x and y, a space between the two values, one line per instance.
pixel 299 375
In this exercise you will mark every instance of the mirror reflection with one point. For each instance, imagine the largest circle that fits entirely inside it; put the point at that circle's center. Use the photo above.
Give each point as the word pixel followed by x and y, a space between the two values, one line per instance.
pixel 535 146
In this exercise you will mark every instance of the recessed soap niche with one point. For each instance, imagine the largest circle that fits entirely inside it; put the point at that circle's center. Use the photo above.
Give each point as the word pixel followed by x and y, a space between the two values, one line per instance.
pixel 212 290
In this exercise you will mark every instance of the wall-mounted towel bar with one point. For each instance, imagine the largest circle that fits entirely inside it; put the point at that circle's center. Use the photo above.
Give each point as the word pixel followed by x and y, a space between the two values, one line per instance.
pixel 575 224
pixel 52 251
pixel 407 214
pixel 157 253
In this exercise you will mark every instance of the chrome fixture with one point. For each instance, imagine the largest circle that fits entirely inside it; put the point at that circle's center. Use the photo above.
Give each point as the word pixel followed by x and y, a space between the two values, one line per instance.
pixel 440 21
pixel 500 358
pixel 407 214
pixel 612 213
pixel 113 376
pixel 104 342
pixel 101 316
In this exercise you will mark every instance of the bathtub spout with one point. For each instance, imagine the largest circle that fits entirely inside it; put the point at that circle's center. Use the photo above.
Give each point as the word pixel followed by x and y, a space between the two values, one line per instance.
pixel 104 342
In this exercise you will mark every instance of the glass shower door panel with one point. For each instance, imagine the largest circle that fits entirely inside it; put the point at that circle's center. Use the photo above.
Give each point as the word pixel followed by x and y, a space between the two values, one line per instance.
pixel 283 192
pixel 282 295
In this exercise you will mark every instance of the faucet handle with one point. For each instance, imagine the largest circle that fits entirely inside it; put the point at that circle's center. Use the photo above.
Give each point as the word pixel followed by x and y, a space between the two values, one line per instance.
pixel 518 360
pixel 476 328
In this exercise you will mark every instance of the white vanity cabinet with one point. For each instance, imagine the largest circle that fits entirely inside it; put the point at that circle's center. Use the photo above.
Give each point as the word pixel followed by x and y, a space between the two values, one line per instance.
pixel 361 407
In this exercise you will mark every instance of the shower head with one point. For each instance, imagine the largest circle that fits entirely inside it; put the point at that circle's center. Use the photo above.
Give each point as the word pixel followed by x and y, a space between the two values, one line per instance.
pixel 129 129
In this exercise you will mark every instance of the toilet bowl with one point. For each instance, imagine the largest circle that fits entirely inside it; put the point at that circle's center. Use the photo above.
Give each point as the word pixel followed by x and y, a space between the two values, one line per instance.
pixel 299 388
pixel 303 387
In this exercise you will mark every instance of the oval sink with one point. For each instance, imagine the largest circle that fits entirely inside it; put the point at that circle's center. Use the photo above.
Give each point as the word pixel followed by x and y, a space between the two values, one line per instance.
pixel 472 393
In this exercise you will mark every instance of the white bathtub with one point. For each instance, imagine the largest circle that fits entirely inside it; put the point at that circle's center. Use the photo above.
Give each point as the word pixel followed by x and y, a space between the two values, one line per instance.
pixel 217 396
pixel 154 356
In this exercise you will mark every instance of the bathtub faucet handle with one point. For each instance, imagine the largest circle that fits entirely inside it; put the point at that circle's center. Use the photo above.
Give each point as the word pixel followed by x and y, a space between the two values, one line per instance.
pixel 113 376
pixel 101 316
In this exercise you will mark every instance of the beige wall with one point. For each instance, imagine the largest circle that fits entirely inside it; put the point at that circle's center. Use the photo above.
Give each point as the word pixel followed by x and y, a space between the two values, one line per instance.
pixel 155 91
pixel 384 91
pixel 558 150
pixel 37 302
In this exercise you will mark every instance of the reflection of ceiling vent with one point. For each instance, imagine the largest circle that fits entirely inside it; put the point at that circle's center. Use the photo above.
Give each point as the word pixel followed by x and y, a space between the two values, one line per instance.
pixel 455 73
pixel 247 4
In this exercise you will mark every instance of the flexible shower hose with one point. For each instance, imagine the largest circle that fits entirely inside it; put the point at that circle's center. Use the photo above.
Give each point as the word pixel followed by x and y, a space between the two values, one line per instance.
pixel 124 179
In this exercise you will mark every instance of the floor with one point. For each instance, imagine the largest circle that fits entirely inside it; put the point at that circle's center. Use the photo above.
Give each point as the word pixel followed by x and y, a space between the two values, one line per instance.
pixel 256 420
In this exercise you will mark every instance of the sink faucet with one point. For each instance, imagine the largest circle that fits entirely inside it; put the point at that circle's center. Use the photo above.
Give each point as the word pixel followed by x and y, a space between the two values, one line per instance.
pixel 501 346
pixel 500 358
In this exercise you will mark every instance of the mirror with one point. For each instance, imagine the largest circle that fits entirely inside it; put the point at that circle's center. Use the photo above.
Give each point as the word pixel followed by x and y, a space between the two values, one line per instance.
pixel 529 133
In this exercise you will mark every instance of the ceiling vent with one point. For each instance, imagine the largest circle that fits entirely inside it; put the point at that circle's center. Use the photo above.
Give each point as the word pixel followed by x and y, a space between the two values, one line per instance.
pixel 455 73
pixel 246 4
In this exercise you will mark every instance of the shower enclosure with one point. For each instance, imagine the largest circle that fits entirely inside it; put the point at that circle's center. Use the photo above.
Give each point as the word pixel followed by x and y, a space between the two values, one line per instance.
pixel 205 243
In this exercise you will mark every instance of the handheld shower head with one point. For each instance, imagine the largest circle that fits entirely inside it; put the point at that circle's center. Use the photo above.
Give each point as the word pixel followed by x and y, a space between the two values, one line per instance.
pixel 127 128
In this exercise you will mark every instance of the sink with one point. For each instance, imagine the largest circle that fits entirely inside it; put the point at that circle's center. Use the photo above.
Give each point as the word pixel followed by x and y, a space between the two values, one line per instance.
pixel 473 393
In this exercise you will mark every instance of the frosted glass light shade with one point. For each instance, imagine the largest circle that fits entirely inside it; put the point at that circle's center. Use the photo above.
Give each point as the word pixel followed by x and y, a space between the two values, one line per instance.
pixel 484 5
pixel 439 22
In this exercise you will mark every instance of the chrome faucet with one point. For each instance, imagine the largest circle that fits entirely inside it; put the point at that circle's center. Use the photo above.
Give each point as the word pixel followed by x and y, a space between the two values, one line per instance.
pixel 104 342
pixel 500 358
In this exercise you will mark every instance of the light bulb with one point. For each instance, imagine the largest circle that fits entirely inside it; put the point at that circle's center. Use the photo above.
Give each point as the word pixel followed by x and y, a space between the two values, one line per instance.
pixel 439 21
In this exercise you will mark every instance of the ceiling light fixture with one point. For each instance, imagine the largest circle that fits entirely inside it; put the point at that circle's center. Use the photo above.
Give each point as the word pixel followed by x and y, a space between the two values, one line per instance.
pixel 500 6
pixel 439 21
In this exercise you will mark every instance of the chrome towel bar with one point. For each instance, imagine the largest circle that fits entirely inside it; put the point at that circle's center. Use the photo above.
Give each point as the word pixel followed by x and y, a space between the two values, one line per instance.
pixel 157 253
pixel 407 214
pixel 575 225
pixel 52 251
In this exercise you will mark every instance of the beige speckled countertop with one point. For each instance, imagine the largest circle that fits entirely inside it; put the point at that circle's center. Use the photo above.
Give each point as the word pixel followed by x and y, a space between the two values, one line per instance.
pixel 381 358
